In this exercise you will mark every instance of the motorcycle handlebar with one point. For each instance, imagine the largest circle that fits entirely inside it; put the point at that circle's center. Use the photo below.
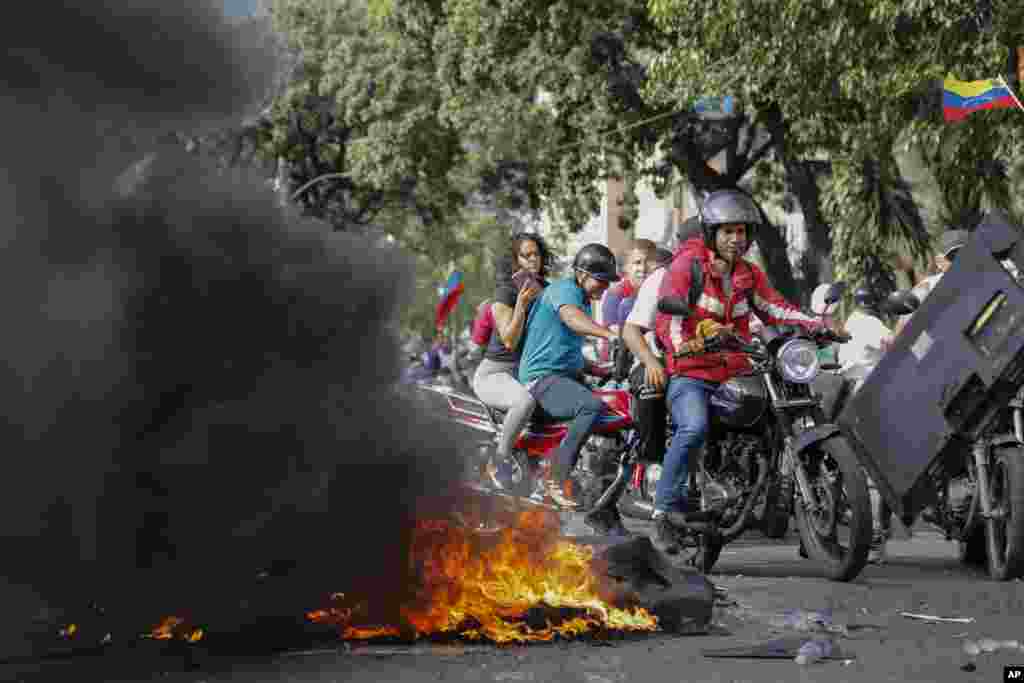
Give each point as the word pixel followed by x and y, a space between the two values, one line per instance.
pixel 733 343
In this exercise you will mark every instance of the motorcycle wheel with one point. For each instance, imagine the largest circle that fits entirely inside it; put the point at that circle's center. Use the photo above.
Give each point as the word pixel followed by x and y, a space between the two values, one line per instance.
pixel 1004 533
pixel 512 473
pixel 819 529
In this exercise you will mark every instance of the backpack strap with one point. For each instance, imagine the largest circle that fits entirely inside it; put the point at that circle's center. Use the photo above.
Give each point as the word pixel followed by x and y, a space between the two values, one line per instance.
pixel 696 282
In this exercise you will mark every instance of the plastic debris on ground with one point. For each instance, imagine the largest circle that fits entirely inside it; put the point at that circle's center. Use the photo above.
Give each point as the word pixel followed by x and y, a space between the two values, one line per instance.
pixel 974 648
pixel 797 649
pixel 813 651
pixel 944 620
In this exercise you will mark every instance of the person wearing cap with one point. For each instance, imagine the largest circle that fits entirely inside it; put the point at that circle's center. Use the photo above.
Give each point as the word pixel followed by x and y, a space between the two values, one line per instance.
pixel 552 359
pixel 949 243
pixel 826 354
pixel 869 338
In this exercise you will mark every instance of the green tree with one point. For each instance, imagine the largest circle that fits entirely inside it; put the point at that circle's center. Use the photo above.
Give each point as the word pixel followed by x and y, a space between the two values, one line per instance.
pixel 361 116
pixel 848 79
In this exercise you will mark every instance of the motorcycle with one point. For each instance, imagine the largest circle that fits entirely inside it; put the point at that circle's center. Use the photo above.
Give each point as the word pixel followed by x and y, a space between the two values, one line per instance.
pixel 979 502
pixel 769 441
pixel 516 480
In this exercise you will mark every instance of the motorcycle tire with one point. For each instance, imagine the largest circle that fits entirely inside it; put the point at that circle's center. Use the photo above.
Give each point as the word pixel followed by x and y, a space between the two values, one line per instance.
pixel 1004 536
pixel 519 481
pixel 840 564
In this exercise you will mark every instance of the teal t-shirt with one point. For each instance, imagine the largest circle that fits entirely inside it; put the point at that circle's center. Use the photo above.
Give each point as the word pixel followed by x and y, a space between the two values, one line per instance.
pixel 551 347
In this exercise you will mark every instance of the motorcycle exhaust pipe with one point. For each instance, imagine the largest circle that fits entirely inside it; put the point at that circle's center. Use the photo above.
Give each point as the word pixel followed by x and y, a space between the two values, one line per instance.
pixel 615 487
pixel 741 522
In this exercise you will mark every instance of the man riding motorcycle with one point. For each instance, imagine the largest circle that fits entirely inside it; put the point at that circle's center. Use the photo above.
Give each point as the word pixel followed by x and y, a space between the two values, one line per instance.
pixel 637 333
pixel 732 289
pixel 552 359
pixel 869 338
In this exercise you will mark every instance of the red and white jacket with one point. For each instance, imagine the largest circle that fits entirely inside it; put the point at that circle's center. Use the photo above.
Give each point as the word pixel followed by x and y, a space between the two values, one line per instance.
pixel 750 288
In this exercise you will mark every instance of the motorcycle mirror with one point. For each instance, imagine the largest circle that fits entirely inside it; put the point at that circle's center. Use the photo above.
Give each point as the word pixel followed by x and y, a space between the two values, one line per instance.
pixel 674 305
pixel 835 292
pixel 900 303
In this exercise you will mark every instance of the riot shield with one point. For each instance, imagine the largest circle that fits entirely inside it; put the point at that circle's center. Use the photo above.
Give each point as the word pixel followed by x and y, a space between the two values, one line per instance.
pixel 952 368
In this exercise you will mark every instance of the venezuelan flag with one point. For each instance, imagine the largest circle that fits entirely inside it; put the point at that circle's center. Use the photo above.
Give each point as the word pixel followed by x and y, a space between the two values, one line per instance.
pixel 960 98
pixel 449 297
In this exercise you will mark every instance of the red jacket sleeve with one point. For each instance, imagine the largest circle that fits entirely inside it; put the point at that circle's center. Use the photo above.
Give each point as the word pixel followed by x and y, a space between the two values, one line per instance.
pixel 773 309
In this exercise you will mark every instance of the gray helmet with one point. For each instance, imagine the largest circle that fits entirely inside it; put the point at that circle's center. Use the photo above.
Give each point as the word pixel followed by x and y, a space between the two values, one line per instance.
pixel 727 206
pixel 951 240
pixel 598 261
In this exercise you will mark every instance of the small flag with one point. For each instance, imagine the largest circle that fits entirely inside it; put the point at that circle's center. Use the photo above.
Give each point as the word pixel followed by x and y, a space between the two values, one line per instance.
pixel 449 297
pixel 715 106
pixel 960 98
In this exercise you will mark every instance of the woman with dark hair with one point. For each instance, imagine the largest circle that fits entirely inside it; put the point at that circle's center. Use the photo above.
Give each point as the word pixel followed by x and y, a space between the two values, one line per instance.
pixel 520 278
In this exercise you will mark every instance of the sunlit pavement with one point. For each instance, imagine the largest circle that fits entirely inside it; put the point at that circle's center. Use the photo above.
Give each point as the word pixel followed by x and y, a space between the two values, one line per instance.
pixel 763 578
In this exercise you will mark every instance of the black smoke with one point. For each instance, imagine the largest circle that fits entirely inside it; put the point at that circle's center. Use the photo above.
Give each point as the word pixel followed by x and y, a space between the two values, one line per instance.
pixel 193 386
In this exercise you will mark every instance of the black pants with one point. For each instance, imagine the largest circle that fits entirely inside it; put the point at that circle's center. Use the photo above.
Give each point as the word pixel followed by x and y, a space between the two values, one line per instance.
pixel 651 418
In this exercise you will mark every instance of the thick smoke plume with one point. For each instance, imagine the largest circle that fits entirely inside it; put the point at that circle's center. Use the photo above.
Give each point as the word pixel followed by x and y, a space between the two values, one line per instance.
pixel 192 387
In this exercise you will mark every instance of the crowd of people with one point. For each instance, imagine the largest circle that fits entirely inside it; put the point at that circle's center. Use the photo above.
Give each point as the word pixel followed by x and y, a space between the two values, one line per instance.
pixel 532 337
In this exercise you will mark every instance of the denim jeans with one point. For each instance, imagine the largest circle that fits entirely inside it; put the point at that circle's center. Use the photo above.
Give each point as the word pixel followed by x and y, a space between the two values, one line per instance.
pixel 566 399
pixel 688 401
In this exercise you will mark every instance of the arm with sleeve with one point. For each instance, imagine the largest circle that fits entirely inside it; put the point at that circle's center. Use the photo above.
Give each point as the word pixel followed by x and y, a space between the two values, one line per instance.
pixel 773 309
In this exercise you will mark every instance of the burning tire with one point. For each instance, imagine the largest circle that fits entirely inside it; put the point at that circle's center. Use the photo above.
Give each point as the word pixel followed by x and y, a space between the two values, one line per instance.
pixel 838 486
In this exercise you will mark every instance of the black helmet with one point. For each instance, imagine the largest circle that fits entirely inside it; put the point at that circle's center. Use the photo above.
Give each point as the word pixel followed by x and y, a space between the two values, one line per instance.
pixel 597 261
pixel 728 206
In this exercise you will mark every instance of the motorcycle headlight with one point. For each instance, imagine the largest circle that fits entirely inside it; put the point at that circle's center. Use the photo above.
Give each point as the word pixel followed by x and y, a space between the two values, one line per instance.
pixel 798 361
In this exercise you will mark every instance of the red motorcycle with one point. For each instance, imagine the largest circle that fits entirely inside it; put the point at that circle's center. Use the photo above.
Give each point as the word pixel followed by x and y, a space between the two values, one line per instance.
pixel 600 472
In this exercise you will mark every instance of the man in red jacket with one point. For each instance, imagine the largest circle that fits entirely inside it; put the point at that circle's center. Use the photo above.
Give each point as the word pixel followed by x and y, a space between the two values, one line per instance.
pixel 731 288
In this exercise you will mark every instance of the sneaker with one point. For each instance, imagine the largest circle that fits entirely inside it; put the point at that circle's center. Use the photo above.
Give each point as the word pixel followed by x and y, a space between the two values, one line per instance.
pixel 665 537
pixel 877 553
pixel 606 523
pixel 556 492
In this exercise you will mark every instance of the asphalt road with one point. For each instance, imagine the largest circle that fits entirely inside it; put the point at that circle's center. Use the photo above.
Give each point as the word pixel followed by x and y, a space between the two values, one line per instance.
pixel 763 579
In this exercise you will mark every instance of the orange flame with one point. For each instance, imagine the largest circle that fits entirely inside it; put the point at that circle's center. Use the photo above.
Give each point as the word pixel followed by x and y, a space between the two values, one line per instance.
pixel 175 627
pixel 484 592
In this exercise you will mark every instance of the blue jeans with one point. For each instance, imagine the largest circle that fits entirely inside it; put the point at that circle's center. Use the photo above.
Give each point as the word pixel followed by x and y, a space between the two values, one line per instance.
pixel 566 399
pixel 688 401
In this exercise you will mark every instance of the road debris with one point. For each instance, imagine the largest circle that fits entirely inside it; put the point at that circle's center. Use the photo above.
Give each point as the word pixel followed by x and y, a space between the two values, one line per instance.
pixel 813 651
pixel 975 648
pixel 807 621
pixel 944 620
pixel 784 648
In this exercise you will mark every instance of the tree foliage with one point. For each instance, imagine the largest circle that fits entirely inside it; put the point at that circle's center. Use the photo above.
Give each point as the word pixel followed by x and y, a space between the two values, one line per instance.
pixel 362 115
pixel 848 79
pixel 537 89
